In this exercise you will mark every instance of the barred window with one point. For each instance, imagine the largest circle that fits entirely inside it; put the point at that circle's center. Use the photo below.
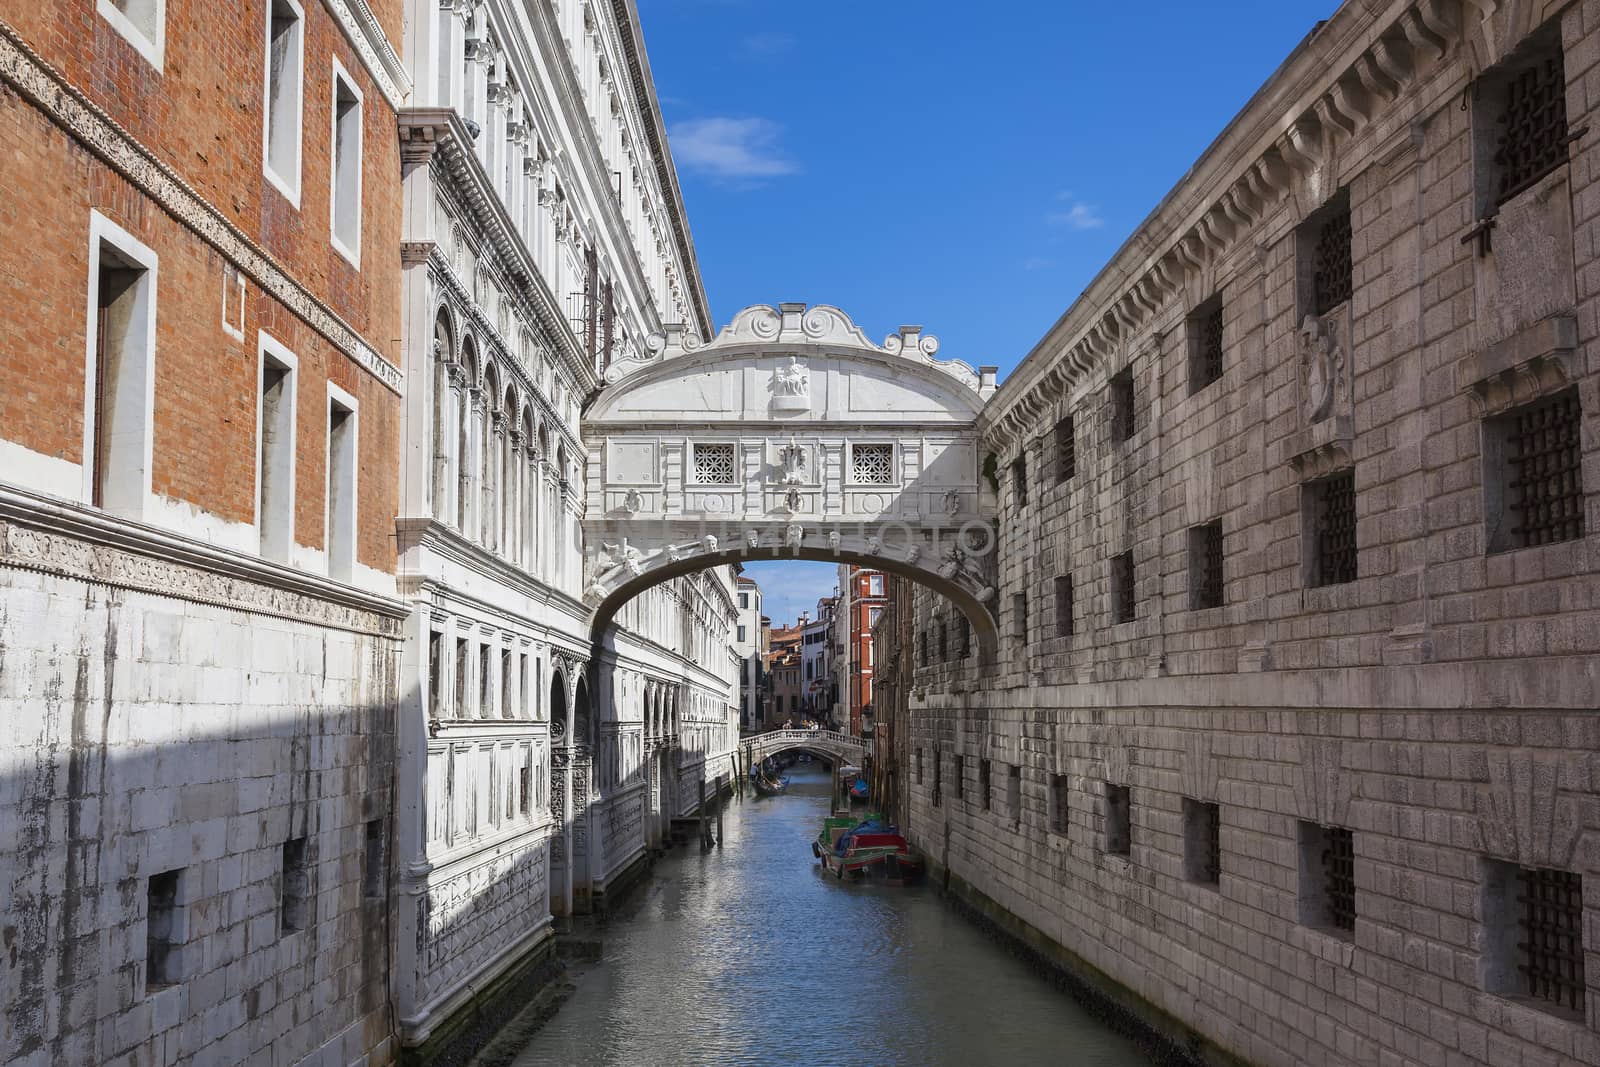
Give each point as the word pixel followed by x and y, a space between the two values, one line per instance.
pixel 1064 606
pixel 1019 480
pixel 1066 450
pixel 1327 878
pixel 963 637
pixel 1530 121
pixel 1019 616
pixel 1202 841
pixel 960 768
pixel 713 464
pixel 941 647
pixel 872 464
pixel 1324 249
pixel 1059 792
pixel 984 793
pixel 1119 820
pixel 1329 514
pixel 1533 936
pixel 1205 566
pixel 1123 412
pixel 1122 591
pixel 1534 475
pixel 1205 344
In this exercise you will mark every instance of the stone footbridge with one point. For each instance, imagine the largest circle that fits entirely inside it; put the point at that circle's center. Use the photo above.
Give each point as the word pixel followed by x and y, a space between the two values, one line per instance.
pixel 830 743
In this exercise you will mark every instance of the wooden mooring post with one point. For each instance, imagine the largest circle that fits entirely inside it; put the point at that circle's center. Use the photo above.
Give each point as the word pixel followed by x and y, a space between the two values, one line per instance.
pixel 705 831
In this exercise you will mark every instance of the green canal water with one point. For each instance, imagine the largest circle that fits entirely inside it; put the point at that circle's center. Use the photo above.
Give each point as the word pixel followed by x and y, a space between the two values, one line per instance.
pixel 749 955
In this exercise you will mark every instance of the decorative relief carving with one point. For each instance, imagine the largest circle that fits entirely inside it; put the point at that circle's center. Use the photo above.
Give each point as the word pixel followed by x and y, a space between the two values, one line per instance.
pixel 791 387
pixel 792 462
pixel 463 922
pixel 1322 360
pixel 632 502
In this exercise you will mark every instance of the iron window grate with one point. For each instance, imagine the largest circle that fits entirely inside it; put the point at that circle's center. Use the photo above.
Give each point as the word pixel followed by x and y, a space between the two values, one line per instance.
pixel 1122 587
pixel 1066 450
pixel 1331 263
pixel 1064 606
pixel 1339 876
pixel 1533 127
pixel 1546 461
pixel 1122 406
pixel 1209 840
pixel 1334 500
pixel 1206 547
pixel 1207 353
pixel 1019 480
pixel 963 637
pixel 1551 950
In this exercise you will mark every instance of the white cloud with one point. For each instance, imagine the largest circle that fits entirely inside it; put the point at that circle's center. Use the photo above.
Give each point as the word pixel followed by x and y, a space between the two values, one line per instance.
pixel 729 149
pixel 1075 214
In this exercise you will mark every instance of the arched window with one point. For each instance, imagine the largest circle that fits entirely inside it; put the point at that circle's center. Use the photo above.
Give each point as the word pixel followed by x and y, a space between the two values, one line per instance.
pixel 444 353
pixel 464 442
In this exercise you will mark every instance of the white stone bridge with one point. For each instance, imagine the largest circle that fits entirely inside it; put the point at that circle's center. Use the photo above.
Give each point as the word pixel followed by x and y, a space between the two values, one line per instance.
pixel 830 743
pixel 790 435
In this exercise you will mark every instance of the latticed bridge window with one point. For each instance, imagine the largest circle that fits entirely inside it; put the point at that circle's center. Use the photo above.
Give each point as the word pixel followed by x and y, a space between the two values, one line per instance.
pixel 1540 472
pixel 713 464
pixel 872 464
pixel 1531 135
pixel 1330 516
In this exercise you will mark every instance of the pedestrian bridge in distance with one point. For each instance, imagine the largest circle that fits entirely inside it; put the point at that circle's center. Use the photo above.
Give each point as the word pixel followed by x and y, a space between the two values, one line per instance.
pixel 831 743
pixel 790 436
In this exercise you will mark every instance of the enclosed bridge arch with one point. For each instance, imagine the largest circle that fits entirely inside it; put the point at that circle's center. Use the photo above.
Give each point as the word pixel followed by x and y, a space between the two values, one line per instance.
pixel 790 435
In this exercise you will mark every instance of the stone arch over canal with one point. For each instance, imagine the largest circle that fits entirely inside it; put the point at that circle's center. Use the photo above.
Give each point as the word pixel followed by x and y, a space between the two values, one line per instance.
pixel 790 436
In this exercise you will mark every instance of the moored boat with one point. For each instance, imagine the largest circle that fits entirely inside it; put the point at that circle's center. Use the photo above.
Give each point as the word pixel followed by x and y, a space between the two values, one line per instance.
pixel 870 848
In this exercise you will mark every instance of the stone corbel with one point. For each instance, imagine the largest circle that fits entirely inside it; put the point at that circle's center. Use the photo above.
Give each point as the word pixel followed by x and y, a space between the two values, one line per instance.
pixel 1533 362
pixel 1421 37
pixel 1321 448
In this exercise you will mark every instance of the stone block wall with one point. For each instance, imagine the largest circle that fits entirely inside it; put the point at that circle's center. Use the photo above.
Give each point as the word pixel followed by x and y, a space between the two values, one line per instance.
pixel 161 757
pixel 1438 707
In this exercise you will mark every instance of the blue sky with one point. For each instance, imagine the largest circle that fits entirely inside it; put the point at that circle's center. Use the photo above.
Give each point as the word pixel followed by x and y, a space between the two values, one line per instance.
pixel 965 167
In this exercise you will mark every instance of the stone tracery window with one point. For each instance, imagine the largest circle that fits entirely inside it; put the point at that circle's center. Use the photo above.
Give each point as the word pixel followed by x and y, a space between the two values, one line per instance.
pixel 713 464
pixel 872 464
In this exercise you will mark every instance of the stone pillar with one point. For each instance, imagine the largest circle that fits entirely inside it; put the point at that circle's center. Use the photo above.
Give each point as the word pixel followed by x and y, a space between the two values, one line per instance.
pixel 472 440
pixel 530 510
pixel 494 426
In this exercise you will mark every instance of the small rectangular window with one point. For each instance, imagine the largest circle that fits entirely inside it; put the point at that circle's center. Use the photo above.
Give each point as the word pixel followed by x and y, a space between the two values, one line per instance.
pixel 1124 412
pixel 275 450
pixel 1066 450
pixel 919 766
pixel 163 931
pixel 1533 936
pixel 285 78
pixel 1064 605
pixel 741 633
pixel 1014 793
pixel 1520 129
pixel 959 766
pixel 294 887
pixel 1205 566
pixel 342 504
pixel 375 872
pixel 142 22
pixel 1123 599
pixel 1204 329
pixel 345 196
pixel 485 684
pixel 985 795
pixel 459 711
pixel 941 633
pixel 1327 878
pixel 1019 481
pixel 508 705
pixel 118 402
pixel 872 464
pixel 435 673
pixel 1059 786
pixel 1019 617
pixel 1533 474
pixel 1328 513
pixel 1119 820
pixel 522 680
pixel 1202 841
pixel 525 784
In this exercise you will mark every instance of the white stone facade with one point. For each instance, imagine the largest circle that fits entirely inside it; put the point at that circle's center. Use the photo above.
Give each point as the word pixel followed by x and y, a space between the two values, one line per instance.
pixel 1422 694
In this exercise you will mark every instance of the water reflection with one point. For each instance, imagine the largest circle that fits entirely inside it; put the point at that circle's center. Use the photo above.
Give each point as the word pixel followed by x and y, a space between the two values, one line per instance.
pixel 749 955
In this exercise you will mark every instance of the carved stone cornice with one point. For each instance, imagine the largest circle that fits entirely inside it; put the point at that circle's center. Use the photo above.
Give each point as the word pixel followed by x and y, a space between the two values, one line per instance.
pixel 1531 363
pixel 365 34
pixel 69 541
pixel 97 133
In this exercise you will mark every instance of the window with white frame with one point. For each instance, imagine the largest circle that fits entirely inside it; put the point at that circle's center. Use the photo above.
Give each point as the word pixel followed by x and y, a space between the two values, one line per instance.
pixel 275 431
pixel 120 370
pixel 713 464
pixel 345 195
pixel 342 465
pixel 872 464
pixel 282 100
pixel 142 22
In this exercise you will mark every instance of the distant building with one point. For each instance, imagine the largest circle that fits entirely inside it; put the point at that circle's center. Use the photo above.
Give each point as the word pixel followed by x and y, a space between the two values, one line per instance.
pixel 861 603
pixel 817 686
pixel 750 643
pixel 783 673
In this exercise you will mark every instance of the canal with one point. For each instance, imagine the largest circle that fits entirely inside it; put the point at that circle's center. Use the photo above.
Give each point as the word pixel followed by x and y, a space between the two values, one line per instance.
pixel 748 955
